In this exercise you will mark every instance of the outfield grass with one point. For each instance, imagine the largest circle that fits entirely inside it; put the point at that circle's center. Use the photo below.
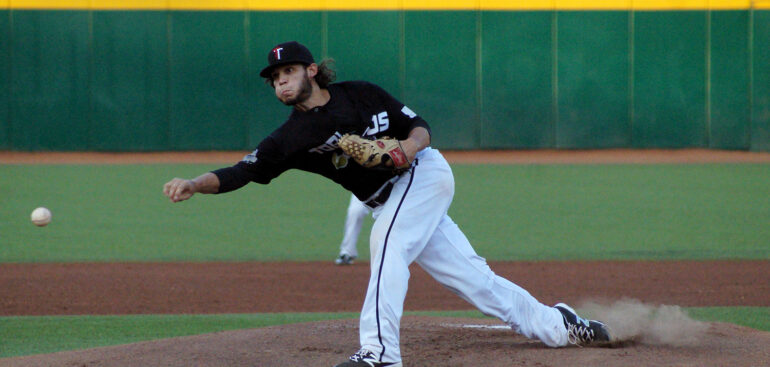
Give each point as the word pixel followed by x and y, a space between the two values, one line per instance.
pixel 25 335
pixel 28 335
pixel 520 212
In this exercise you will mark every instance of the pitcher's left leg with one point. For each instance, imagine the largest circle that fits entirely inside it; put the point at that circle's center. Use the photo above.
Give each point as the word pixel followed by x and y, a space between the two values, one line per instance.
pixel 451 260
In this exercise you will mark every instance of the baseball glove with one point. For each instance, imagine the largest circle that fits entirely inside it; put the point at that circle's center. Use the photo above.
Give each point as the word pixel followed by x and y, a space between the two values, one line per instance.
pixel 384 153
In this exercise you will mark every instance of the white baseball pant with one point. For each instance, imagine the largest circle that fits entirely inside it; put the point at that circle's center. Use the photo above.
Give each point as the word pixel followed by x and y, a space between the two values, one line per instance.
pixel 413 225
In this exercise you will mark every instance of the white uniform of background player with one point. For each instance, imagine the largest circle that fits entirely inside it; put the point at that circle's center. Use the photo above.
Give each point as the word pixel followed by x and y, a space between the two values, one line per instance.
pixel 357 211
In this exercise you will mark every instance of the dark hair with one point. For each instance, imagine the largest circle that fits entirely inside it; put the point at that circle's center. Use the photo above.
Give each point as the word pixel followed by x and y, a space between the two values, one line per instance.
pixel 326 74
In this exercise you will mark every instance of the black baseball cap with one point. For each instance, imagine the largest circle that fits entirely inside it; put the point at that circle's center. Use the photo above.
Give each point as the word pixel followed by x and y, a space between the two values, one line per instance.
pixel 286 53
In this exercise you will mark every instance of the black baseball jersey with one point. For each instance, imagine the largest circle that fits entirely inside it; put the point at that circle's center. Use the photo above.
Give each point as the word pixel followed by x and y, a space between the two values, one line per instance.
pixel 308 140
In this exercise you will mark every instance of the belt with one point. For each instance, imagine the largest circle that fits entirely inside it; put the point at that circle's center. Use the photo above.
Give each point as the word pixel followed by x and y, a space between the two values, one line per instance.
pixel 380 197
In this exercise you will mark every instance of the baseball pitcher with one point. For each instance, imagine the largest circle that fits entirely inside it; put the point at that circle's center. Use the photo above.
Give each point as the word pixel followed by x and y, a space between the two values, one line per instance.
pixel 359 136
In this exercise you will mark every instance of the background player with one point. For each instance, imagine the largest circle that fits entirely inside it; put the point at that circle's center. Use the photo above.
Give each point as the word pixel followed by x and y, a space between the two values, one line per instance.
pixel 410 207
pixel 357 211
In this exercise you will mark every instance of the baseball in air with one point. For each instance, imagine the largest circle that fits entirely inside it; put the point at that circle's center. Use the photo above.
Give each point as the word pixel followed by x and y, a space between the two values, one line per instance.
pixel 40 216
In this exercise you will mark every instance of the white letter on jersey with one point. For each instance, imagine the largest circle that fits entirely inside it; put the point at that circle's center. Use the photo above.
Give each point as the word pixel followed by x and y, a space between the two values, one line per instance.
pixel 328 146
pixel 380 123
pixel 408 112
pixel 251 158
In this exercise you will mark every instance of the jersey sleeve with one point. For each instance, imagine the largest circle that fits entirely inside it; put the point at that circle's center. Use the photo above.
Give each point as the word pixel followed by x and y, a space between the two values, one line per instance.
pixel 261 166
pixel 403 119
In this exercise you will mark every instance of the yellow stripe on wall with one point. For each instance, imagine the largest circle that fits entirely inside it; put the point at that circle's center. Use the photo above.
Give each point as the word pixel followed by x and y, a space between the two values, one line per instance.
pixel 310 5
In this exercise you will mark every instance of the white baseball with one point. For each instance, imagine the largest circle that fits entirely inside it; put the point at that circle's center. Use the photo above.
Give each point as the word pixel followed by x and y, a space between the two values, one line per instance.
pixel 41 216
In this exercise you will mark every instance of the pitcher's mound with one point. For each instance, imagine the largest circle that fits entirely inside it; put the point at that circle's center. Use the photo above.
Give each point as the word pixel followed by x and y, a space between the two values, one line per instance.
pixel 426 341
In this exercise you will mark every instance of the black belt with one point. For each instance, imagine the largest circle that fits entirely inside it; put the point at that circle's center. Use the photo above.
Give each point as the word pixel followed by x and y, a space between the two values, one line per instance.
pixel 381 198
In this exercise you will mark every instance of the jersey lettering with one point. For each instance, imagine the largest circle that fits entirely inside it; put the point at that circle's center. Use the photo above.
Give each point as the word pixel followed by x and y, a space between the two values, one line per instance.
pixel 329 146
pixel 380 123
pixel 251 157
pixel 408 112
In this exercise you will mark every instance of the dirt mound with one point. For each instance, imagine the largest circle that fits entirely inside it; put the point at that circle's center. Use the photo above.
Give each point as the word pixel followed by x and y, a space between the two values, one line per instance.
pixel 426 341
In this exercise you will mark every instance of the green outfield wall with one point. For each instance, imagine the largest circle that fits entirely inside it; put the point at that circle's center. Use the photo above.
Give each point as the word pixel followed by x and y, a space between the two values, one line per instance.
pixel 182 75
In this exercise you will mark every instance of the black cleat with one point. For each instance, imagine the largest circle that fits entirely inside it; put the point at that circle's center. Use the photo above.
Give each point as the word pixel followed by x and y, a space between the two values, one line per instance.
pixel 365 358
pixel 580 330
pixel 344 259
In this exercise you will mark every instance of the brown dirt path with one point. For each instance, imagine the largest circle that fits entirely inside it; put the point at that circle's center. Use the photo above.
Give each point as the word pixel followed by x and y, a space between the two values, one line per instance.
pixel 191 288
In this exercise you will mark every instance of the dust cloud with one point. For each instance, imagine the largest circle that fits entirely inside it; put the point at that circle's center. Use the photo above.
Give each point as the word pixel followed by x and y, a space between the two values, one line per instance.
pixel 632 321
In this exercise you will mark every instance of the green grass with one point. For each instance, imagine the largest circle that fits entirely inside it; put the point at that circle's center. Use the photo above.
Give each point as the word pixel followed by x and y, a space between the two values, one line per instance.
pixel 753 317
pixel 520 212
pixel 118 213
pixel 28 335
pixel 616 211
